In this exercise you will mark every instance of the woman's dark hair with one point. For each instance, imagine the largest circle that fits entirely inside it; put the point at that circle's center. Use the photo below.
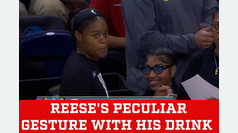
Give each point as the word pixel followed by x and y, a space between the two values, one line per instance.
pixel 161 51
pixel 80 19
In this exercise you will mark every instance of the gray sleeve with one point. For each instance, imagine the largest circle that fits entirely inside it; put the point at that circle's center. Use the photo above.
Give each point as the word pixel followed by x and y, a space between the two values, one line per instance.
pixel 209 7
pixel 141 27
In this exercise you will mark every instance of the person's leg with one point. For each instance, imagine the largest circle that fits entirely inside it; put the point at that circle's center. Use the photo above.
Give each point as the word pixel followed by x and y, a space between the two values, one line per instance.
pixel 49 7
pixel 22 9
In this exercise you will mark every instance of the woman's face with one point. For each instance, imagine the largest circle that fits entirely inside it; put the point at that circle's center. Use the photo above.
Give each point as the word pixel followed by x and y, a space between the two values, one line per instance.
pixel 215 23
pixel 157 80
pixel 93 39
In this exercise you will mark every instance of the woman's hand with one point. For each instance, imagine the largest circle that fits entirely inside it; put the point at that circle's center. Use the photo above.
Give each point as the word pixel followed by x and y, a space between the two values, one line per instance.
pixel 163 91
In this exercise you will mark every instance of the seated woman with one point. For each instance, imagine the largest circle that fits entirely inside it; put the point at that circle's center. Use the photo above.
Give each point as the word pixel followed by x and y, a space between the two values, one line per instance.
pixel 159 71
pixel 81 75
pixel 205 63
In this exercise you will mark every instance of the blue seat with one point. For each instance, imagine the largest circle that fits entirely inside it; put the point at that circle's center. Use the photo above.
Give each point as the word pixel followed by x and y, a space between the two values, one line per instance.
pixel 38 23
pixel 50 47
pixel 48 43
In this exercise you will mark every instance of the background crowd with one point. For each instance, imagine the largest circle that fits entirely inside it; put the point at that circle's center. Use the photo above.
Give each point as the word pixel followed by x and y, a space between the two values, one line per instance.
pixel 151 46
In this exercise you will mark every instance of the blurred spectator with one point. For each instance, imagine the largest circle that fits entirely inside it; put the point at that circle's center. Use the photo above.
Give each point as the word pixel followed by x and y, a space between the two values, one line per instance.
pixel 178 25
pixel 22 9
pixel 205 63
pixel 58 8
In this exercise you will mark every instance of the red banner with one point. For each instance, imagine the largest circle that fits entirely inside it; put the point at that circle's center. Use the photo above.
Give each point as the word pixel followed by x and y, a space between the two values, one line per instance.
pixel 165 116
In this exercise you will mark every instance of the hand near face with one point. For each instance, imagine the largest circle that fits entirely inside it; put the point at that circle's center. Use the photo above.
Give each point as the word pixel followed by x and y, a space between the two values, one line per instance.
pixel 163 91
pixel 203 38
